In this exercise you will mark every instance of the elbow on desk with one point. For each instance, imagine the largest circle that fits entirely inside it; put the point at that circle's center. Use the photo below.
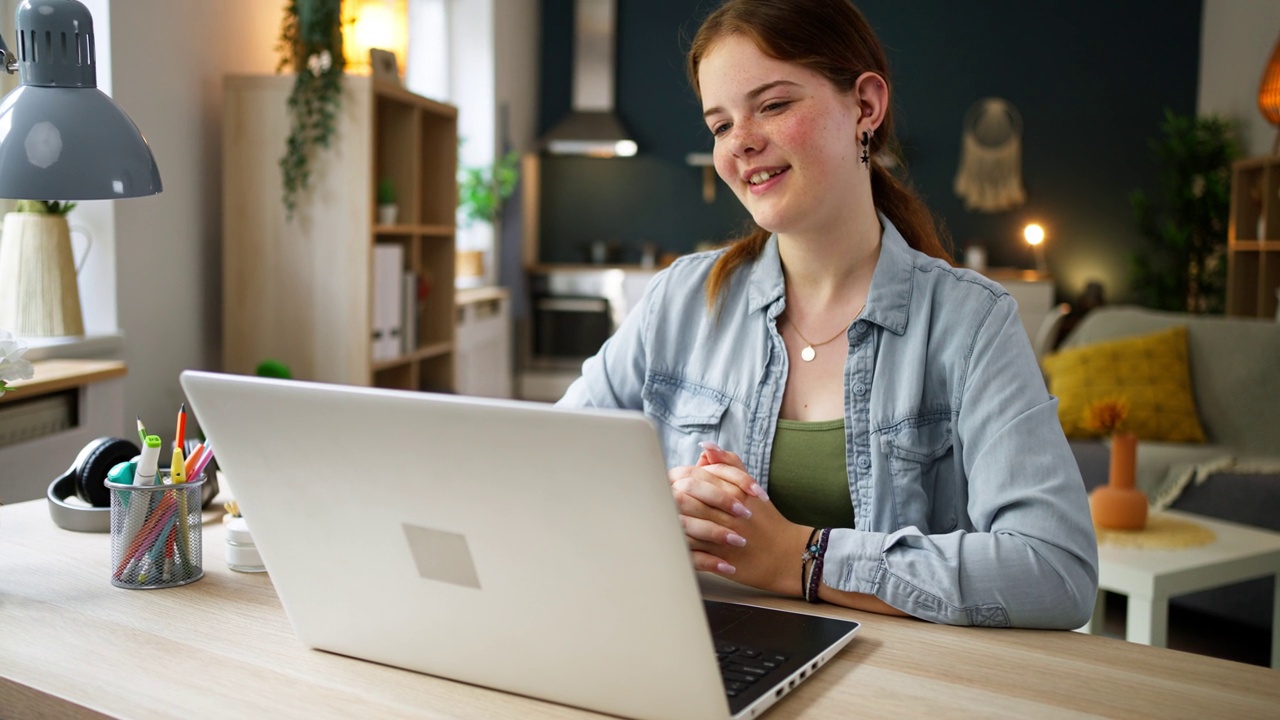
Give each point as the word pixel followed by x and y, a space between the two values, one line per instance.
pixel 1064 601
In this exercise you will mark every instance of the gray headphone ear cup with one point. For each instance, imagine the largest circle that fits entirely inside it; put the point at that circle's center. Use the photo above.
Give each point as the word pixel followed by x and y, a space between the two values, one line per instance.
pixel 90 473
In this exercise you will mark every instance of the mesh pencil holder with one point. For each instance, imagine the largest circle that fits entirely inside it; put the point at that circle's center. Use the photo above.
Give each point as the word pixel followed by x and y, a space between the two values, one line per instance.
pixel 155 533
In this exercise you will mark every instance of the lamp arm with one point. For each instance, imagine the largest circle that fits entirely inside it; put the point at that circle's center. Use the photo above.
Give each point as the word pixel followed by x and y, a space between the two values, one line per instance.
pixel 9 59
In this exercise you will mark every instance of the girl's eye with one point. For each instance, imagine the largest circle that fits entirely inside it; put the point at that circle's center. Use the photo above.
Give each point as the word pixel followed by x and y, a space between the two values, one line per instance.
pixel 720 129
pixel 775 106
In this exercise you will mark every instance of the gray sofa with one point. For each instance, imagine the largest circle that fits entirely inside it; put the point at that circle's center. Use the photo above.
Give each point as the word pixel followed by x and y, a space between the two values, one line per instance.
pixel 1235 476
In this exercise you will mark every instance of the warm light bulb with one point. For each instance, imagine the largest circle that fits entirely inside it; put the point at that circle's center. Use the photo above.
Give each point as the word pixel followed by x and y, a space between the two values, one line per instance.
pixel 374 24
pixel 1034 234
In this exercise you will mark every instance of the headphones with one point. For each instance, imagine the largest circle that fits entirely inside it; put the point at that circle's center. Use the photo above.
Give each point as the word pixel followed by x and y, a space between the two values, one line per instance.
pixel 85 481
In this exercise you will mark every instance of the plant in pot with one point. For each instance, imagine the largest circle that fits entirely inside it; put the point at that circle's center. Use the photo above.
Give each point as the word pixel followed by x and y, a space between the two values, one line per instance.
pixel 1118 505
pixel 310 44
pixel 482 191
pixel 388 210
pixel 39 295
pixel 1183 267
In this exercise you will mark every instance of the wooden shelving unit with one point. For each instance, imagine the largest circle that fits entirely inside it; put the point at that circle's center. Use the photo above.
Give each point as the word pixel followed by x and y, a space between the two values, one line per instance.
pixel 1253 238
pixel 301 290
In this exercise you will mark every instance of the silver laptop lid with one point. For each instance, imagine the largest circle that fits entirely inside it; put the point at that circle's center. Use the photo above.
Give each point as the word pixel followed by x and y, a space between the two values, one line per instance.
pixel 428 532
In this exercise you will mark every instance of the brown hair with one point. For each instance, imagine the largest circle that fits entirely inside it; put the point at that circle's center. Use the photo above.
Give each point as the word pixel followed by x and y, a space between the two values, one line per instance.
pixel 832 38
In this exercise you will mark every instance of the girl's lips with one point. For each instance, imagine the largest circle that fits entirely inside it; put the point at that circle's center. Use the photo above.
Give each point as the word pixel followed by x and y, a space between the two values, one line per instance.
pixel 768 184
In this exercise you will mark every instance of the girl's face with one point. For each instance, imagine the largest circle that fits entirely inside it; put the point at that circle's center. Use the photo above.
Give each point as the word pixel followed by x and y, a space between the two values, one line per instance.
pixel 786 140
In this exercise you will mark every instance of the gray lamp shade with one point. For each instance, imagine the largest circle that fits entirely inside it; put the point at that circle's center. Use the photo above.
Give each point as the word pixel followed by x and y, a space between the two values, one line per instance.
pixel 71 144
pixel 61 138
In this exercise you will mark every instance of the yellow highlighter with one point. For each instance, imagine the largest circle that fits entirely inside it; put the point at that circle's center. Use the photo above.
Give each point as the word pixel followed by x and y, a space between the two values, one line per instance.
pixel 178 475
pixel 177 468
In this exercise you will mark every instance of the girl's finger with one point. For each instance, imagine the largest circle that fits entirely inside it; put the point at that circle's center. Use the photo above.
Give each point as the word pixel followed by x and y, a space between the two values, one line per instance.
pixel 705 531
pixel 710 563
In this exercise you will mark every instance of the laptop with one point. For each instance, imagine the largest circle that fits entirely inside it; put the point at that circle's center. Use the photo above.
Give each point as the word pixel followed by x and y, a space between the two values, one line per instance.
pixel 514 545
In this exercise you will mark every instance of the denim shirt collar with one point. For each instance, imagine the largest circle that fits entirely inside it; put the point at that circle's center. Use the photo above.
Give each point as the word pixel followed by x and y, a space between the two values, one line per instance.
pixel 888 301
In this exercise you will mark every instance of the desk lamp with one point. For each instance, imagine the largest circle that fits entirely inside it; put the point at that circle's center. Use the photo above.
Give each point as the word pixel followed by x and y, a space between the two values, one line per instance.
pixel 60 138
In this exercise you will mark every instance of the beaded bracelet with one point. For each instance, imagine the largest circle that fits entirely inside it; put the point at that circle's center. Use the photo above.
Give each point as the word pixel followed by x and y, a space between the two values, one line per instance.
pixel 810 552
pixel 815 567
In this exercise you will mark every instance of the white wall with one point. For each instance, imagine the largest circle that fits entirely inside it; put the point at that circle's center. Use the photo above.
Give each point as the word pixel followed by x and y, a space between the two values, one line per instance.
pixel 167 59
pixel 1236 40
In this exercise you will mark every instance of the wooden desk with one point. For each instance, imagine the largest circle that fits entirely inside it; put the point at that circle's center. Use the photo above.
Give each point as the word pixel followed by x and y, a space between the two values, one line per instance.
pixel 71 645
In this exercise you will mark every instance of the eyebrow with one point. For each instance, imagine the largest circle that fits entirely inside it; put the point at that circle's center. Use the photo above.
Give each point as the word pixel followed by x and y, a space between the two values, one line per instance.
pixel 753 94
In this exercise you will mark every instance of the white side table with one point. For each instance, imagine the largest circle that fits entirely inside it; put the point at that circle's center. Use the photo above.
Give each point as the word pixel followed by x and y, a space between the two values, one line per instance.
pixel 1150 577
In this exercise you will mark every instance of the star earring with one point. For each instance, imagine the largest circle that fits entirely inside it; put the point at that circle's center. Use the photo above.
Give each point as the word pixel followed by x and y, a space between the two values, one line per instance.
pixel 866 143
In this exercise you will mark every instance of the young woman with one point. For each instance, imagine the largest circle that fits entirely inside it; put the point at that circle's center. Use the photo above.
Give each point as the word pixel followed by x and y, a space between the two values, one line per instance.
pixel 896 449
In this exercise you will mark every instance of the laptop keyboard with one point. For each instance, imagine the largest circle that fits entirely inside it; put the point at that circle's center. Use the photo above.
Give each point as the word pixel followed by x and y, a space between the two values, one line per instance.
pixel 742 667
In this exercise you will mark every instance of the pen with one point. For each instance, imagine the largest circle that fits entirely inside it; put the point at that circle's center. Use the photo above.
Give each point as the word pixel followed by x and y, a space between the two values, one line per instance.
pixel 142 541
pixel 204 461
pixel 144 475
pixel 193 460
pixel 180 433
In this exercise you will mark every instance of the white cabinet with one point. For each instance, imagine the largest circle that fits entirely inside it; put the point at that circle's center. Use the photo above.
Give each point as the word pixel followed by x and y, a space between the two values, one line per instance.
pixel 45 421
pixel 482 342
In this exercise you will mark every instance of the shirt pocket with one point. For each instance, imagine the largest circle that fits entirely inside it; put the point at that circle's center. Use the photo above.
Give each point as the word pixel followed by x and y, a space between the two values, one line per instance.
pixel 923 475
pixel 687 414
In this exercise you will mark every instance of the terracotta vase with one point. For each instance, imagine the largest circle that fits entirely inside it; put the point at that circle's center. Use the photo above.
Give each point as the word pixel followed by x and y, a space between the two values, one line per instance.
pixel 1119 505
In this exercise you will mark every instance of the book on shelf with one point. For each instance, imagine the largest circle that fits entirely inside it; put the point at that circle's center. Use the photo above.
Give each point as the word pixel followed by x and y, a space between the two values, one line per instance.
pixel 388 310
pixel 409 311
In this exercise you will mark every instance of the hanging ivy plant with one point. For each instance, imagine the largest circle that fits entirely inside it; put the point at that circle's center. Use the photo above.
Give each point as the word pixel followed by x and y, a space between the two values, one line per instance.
pixel 311 45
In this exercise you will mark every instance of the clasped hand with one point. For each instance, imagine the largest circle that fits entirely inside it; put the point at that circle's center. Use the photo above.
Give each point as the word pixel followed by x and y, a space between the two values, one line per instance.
pixel 732 528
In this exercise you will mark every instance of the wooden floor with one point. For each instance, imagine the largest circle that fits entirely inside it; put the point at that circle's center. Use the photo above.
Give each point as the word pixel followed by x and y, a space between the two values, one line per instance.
pixel 1196 632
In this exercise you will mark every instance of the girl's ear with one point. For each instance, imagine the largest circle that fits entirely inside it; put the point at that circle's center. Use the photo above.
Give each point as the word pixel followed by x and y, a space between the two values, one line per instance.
pixel 873 99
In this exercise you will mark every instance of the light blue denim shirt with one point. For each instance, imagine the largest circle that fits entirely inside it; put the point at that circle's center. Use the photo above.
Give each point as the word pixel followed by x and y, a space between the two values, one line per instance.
pixel 969 505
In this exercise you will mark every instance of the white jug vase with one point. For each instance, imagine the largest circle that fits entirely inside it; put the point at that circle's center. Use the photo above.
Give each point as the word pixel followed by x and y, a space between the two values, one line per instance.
pixel 39 295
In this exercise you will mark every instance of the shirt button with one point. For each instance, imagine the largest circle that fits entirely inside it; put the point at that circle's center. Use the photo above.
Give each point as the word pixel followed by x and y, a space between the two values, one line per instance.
pixel 859 389
pixel 860 326
pixel 864 462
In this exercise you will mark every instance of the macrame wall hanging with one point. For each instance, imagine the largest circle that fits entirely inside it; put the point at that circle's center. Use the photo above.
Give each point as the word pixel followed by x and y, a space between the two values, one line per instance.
pixel 990 174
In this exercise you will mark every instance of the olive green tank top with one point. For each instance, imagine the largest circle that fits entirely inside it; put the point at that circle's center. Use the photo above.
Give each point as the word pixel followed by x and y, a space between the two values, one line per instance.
pixel 808 476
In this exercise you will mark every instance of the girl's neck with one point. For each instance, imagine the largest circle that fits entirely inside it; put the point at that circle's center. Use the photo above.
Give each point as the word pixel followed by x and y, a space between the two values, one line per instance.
pixel 826 269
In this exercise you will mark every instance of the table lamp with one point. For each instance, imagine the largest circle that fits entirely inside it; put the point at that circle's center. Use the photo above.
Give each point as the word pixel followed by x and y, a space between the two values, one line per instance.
pixel 1034 234
pixel 60 138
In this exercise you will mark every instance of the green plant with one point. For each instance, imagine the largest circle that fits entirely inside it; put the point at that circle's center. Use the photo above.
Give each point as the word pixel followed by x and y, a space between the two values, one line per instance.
pixel 386 191
pixel 44 207
pixel 311 44
pixel 483 190
pixel 1183 266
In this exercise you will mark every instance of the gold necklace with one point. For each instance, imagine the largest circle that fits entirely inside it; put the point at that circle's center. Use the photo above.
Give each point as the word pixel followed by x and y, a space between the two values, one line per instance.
pixel 808 353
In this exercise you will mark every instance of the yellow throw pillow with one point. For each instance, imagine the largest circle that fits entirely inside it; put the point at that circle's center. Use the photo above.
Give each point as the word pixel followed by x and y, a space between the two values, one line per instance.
pixel 1149 371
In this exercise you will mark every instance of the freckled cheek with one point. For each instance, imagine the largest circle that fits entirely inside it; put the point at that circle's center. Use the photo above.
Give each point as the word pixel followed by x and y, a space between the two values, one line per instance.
pixel 723 162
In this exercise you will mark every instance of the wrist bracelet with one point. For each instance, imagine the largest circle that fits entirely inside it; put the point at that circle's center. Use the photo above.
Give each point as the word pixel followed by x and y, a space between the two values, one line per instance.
pixel 815 567
pixel 806 561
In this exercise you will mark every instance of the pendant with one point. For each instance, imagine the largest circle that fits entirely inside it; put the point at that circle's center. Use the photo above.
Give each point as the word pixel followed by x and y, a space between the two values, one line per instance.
pixel 808 353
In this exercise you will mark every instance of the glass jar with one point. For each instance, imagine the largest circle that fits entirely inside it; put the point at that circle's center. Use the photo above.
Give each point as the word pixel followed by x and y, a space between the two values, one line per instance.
pixel 242 554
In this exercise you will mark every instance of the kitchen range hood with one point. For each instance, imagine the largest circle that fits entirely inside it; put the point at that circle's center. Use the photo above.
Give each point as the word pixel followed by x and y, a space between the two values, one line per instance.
pixel 592 127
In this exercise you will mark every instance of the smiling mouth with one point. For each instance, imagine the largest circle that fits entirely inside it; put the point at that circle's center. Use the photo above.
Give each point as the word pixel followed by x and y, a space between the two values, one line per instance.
pixel 764 176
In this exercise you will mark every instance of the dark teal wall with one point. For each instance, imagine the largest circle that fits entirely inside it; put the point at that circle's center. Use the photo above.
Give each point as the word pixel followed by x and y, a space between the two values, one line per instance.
pixel 1091 79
